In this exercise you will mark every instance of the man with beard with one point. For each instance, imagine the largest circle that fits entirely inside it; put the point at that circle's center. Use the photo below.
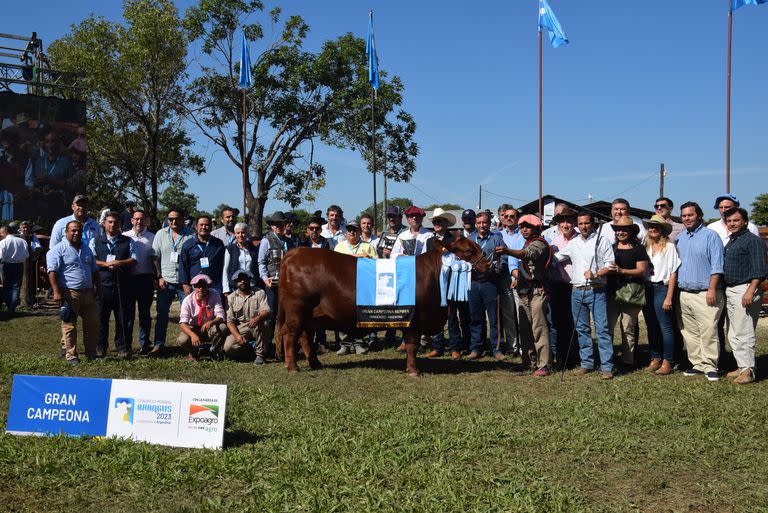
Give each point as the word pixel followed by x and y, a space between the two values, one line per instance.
pixel 226 233
pixel 334 230
pixel 247 313
pixel 202 254
pixel 387 240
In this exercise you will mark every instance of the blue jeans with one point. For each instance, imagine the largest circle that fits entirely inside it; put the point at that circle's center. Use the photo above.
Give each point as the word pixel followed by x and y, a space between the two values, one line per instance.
pixel 482 301
pixel 12 275
pixel 583 303
pixel 142 293
pixel 458 326
pixel 661 333
pixel 164 301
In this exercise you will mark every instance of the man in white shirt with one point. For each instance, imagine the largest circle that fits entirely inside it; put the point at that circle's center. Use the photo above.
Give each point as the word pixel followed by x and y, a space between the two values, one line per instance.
pixel 414 240
pixel 620 208
pixel 723 203
pixel 142 280
pixel 13 254
pixel 591 259
pixel 334 230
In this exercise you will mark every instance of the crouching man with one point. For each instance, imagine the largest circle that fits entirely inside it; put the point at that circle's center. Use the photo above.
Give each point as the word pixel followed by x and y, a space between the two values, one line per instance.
pixel 202 320
pixel 247 313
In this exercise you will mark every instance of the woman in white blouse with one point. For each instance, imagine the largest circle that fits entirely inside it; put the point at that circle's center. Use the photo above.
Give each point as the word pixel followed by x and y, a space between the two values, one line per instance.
pixel 662 278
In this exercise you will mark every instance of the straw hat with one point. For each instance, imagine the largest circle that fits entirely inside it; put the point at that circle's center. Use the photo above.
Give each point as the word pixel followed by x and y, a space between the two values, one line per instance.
pixel 626 222
pixel 566 213
pixel 656 221
pixel 439 213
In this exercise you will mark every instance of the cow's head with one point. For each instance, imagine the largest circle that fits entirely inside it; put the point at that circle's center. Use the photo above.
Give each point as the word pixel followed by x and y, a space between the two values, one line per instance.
pixel 469 251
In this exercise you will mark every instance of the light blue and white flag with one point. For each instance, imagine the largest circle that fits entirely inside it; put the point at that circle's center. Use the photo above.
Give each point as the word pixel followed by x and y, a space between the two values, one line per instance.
pixel 735 4
pixel 548 20
pixel 370 52
pixel 245 65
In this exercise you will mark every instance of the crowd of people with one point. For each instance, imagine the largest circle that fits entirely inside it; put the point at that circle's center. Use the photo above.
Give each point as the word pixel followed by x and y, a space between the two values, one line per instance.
pixel 697 285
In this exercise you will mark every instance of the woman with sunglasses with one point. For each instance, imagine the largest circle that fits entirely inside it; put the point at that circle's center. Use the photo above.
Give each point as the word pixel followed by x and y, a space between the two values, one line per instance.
pixel 662 279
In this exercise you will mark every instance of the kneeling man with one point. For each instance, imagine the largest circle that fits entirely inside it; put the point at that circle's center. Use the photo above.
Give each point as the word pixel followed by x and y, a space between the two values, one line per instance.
pixel 202 320
pixel 247 312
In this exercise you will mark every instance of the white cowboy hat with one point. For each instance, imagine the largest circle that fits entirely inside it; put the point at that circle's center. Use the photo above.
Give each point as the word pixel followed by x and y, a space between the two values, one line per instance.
pixel 439 213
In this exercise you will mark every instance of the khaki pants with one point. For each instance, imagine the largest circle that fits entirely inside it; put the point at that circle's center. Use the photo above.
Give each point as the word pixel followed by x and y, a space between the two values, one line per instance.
pixel 245 352
pixel 698 326
pixel 84 305
pixel 742 323
pixel 534 329
pixel 626 317
pixel 213 336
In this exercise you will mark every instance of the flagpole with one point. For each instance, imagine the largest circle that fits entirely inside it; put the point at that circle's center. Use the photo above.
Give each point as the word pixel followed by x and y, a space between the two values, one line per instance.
pixel 373 151
pixel 245 170
pixel 540 131
pixel 728 108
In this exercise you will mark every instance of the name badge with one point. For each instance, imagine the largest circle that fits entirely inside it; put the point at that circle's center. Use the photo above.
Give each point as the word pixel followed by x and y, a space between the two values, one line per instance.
pixel 110 258
pixel 204 263
pixel 174 257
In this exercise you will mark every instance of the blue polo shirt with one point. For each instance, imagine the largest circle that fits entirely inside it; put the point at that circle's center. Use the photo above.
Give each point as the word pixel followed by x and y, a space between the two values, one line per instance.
pixel 488 244
pixel 74 269
pixel 513 240
pixel 701 256
pixel 189 260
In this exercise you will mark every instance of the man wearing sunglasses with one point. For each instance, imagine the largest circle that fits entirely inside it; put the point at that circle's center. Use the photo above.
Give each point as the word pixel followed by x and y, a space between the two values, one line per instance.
pixel 414 240
pixel 166 250
pixel 663 207
pixel 313 238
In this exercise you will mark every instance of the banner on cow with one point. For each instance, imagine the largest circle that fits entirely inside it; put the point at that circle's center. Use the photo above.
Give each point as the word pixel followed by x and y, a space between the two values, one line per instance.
pixel 386 292
pixel 158 412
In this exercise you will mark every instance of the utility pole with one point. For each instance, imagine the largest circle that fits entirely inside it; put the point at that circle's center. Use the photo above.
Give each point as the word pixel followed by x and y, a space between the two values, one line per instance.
pixel 480 199
pixel 662 174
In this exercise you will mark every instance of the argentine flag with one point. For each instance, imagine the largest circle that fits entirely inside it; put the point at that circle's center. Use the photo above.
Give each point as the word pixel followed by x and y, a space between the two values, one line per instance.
pixel 548 20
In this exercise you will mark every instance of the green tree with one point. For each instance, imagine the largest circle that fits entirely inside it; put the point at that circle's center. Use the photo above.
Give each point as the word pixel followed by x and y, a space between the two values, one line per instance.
pixel 175 196
pixel 297 98
pixel 444 206
pixel 132 82
pixel 759 214
pixel 403 203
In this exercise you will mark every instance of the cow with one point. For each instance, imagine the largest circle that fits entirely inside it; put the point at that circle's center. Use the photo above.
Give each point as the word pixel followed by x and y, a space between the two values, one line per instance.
pixel 318 289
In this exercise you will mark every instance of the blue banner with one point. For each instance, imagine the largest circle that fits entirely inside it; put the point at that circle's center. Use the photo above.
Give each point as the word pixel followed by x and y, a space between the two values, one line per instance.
pixel 385 292
pixel 59 405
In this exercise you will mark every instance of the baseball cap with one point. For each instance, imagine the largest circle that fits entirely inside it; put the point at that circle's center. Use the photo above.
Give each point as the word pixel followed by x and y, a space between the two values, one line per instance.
pixel 79 198
pixel 468 214
pixel 394 210
pixel 727 196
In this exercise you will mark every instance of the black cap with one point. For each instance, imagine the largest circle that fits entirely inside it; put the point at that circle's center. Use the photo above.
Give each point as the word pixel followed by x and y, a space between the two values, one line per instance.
pixel 468 214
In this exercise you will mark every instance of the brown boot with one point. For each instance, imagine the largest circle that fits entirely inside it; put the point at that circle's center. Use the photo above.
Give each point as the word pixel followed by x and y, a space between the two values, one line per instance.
pixel 665 369
pixel 434 354
pixel 455 355
pixel 745 377
pixel 654 365
pixel 733 374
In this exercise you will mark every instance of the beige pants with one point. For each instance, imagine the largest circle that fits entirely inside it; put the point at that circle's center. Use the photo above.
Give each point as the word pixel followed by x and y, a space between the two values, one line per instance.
pixel 626 317
pixel 84 305
pixel 245 352
pixel 742 323
pixel 213 336
pixel 533 328
pixel 698 326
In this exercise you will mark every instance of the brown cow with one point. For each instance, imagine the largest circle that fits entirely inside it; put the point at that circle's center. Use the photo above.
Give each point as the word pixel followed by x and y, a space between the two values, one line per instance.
pixel 318 288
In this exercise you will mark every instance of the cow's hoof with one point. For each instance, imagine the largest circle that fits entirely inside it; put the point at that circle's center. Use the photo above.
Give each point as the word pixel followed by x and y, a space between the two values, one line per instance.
pixel 413 373
pixel 292 368
pixel 315 364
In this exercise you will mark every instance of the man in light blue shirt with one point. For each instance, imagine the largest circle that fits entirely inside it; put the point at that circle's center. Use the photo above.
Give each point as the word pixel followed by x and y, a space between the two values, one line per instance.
pixel 510 233
pixel 701 296
pixel 73 274
pixel 79 213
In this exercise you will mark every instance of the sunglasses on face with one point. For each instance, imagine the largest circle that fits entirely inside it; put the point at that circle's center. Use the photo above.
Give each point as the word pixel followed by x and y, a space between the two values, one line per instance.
pixel 622 229
pixel 172 219
pixel 659 206
pixel 314 228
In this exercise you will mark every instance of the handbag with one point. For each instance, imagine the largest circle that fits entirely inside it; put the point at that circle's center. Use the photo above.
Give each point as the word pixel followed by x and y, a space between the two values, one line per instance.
pixel 631 293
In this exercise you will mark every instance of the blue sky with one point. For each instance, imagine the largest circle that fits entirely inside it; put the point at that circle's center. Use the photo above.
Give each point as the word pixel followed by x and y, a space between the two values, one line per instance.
pixel 639 84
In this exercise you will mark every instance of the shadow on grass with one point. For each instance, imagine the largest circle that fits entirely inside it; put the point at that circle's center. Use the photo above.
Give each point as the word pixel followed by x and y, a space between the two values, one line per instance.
pixel 428 366
pixel 237 438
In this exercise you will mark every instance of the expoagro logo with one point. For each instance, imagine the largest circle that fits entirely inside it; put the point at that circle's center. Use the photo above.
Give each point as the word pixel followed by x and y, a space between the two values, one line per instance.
pixel 126 407
pixel 203 413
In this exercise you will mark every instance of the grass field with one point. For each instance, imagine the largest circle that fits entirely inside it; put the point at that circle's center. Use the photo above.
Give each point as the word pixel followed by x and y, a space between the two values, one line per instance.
pixel 362 436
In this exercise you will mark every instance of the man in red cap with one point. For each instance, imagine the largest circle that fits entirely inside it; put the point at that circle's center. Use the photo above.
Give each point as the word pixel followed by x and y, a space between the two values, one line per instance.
pixel 529 281
pixel 414 240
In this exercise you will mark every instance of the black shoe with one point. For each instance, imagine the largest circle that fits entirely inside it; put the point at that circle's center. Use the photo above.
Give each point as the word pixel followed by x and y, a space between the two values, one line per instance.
pixel 74 361
pixel 145 350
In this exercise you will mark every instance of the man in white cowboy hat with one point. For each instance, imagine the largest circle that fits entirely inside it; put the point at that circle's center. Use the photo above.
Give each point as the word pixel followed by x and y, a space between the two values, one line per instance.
pixel 201 320
pixel 441 221
pixel 247 312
